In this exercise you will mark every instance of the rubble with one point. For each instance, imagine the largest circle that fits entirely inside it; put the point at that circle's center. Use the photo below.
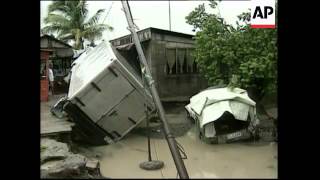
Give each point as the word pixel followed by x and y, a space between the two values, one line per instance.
pixel 57 161
pixel 51 149
pixel 57 109
pixel 93 166
pixel 72 166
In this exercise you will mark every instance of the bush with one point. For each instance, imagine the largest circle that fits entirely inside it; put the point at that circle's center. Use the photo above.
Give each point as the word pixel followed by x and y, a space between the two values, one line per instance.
pixel 235 56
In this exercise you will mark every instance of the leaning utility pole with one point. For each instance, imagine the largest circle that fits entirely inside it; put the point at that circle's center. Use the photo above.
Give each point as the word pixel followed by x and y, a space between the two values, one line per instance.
pixel 169 16
pixel 150 82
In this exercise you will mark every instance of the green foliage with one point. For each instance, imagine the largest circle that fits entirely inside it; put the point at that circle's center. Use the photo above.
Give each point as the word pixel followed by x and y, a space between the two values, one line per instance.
pixel 69 19
pixel 43 148
pixel 240 56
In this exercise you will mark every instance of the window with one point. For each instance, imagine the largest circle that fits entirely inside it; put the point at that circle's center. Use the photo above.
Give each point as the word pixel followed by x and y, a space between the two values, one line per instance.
pixel 180 61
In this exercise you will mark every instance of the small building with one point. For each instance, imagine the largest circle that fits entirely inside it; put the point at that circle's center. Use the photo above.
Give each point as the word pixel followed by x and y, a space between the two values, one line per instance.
pixel 169 57
pixel 60 55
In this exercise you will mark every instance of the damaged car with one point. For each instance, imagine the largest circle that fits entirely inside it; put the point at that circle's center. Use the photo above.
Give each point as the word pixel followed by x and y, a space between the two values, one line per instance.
pixel 223 115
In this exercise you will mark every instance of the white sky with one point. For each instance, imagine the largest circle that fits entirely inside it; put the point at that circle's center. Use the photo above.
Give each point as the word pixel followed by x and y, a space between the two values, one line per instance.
pixel 155 14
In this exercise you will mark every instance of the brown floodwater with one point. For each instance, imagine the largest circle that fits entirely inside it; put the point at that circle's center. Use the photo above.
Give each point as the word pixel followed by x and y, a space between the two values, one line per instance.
pixel 234 160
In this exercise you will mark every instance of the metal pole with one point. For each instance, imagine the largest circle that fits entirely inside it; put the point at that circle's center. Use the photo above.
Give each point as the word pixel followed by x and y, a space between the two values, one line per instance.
pixel 169 136
pixel 148 131
pixel 169 16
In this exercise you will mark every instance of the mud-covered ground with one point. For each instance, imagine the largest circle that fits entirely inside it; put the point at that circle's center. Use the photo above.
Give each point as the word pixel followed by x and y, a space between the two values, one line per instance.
pixel 256 159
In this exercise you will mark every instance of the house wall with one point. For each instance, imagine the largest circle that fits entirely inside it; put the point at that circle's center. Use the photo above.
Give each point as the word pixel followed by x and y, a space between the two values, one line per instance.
pixel 143 35
pixel 173 87
pixel 60 49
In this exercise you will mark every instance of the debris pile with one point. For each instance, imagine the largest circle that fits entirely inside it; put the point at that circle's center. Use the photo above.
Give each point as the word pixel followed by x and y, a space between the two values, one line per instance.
pixel 57 161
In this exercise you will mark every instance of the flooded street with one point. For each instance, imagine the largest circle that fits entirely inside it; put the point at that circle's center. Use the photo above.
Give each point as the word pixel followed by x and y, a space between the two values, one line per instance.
pixel 235 160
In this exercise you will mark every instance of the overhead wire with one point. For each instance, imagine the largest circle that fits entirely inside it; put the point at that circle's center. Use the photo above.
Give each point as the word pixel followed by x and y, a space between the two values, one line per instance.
pixel 108 38
pixel 107 12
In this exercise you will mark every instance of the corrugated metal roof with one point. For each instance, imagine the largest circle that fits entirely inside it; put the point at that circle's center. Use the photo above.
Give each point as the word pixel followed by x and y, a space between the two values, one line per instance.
pixel 55 39
pixel 156 30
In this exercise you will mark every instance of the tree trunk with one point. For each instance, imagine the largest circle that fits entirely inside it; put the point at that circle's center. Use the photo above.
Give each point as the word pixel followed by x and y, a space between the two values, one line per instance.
pixel 81 45
pixel 77 43
pixel 257 95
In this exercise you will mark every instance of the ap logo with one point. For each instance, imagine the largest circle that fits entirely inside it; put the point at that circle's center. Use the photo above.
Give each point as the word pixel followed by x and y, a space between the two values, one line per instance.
pixel 263 14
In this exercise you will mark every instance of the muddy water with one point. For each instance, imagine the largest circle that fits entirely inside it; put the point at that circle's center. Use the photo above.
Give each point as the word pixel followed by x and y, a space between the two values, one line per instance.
pixel 236 160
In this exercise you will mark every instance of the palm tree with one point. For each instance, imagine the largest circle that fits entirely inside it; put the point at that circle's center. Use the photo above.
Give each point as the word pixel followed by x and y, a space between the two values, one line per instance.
pixel 69 19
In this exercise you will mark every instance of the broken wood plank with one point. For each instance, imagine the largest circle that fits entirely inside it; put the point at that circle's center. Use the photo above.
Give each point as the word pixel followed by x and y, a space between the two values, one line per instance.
pixel 92 164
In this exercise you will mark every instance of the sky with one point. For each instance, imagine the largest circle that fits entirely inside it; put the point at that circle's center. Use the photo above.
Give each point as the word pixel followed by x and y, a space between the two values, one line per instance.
pixel 155 14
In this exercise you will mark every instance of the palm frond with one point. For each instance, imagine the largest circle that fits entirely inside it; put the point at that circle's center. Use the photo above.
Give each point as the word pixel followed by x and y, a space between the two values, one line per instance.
pixel 83 7
pixel 69 20
pixel 93 32
pixel 51 29
pixel 78 12
pixel 95 18
pixel 56 19
pixel 59 6
pixel 97 28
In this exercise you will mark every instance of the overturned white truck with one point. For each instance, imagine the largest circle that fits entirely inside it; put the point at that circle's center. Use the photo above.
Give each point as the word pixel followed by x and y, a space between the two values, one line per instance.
pixel 105 99
pixel 223 115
